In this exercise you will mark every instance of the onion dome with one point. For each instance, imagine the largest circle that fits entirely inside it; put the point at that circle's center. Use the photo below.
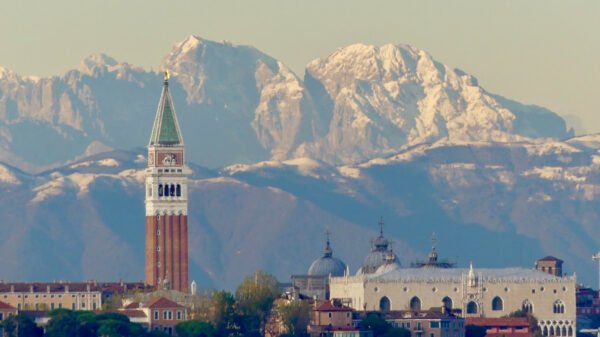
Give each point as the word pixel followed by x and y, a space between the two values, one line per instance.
pixel 391 263
pixel 327 264
pixel 377 256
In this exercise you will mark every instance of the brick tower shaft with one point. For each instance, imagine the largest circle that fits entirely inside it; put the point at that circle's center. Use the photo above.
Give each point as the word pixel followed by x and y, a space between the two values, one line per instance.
pixel 166 201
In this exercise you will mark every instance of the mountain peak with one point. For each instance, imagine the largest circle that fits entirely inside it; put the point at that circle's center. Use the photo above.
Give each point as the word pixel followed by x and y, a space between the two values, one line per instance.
pixel 96 60
pixel 190 43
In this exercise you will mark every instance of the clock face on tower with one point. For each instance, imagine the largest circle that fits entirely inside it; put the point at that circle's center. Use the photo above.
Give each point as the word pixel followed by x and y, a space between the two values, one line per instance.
pixel 169 159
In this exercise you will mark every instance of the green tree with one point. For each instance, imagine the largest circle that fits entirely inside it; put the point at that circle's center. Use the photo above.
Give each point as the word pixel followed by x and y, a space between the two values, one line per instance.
pixel 475 331
pixel 396 332
pixel 295 316
pixel 195 329
pixel 63 323
pixel 21 326
pixel 376 324
pixel 255 296
pixel 222 313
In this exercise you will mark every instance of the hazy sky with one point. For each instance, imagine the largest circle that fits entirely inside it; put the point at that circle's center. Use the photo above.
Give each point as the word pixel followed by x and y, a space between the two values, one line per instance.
pixel 541 52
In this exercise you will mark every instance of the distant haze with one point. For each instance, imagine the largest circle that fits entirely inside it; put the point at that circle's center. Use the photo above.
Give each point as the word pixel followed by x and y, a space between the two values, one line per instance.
pixel 539 52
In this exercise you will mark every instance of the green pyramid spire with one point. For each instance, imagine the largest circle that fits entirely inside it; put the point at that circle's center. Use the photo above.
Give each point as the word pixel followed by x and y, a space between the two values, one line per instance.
pixel 166 128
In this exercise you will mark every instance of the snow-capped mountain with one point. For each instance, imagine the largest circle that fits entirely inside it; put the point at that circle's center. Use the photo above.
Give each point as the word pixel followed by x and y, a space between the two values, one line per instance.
pixel 377 99
pixel 87 217
pixel 237 104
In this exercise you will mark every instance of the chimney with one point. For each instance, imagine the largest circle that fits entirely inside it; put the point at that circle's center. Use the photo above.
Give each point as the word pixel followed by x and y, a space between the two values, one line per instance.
pixel 66 288
pixel 47 288
pixel 12 288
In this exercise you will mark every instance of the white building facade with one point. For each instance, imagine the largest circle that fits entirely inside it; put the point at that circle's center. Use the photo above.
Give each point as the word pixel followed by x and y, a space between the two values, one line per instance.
pixel 476 292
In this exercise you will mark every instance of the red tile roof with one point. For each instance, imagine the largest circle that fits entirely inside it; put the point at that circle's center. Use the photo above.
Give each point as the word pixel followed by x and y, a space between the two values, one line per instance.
pixel 6 306
pixel 496 322
pixel 328 306
pixel 161 302
pixel 131 313
pixel 132 305
pixel 550 258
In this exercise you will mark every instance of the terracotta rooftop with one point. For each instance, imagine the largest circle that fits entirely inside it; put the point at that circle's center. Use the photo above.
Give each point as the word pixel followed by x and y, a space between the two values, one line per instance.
pixel 161 302
pixel 500 321
pixel 133 313
pixel 328 306
pixel 132 305
pixel 6 306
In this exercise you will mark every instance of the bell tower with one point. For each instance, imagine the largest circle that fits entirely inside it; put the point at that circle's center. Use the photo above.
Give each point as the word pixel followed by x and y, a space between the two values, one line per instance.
pixel 166 200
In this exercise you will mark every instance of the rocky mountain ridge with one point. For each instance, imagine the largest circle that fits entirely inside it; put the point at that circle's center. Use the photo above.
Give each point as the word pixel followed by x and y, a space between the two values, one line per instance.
pixel 478 197
pixel 239 105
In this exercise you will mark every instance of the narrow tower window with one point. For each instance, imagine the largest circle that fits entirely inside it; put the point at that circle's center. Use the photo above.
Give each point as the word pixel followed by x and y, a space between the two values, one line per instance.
pixel 172 190
pixel 160 190
pixel 178 190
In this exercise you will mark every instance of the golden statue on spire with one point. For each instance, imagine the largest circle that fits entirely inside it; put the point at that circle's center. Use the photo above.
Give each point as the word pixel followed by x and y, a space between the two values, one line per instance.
pixel 166 75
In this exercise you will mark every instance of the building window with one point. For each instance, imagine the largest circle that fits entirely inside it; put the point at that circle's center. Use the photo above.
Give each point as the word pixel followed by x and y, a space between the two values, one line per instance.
pixel 160 190
pixel 434 324
pixel 329 314
pixel 1 316
pixel 94 306
pixel 73 306
pixel 51 306
pixel 527 307
pixel 497 304
pixel 384 304
pixel 558 307
pixel 415 304
pixel 156 316
pixel 447 301
pixel 471 308
pixel 179 317
pixel 60 305
pixel 178 192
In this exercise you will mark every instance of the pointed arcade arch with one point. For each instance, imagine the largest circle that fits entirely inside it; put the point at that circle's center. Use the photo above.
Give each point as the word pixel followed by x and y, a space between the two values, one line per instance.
pixel 527 307
pixel 384 304
pixel 497 304
pixel 415 304
pixel 472 308
pixel 558 307
pixel 447 302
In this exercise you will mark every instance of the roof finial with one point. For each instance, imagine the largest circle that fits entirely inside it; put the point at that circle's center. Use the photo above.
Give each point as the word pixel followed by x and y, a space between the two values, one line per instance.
pixel 381 226
pixel 166 77
pixel 433 241
pixel 328 251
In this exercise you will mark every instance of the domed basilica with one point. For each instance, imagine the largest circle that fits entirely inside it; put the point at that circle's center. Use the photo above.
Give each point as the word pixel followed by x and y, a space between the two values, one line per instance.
pixel 382 284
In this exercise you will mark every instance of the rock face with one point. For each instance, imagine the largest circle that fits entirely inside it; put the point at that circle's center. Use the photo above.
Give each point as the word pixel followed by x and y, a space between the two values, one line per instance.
pixel 376 99
pixel 237 104
pixel 85 219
